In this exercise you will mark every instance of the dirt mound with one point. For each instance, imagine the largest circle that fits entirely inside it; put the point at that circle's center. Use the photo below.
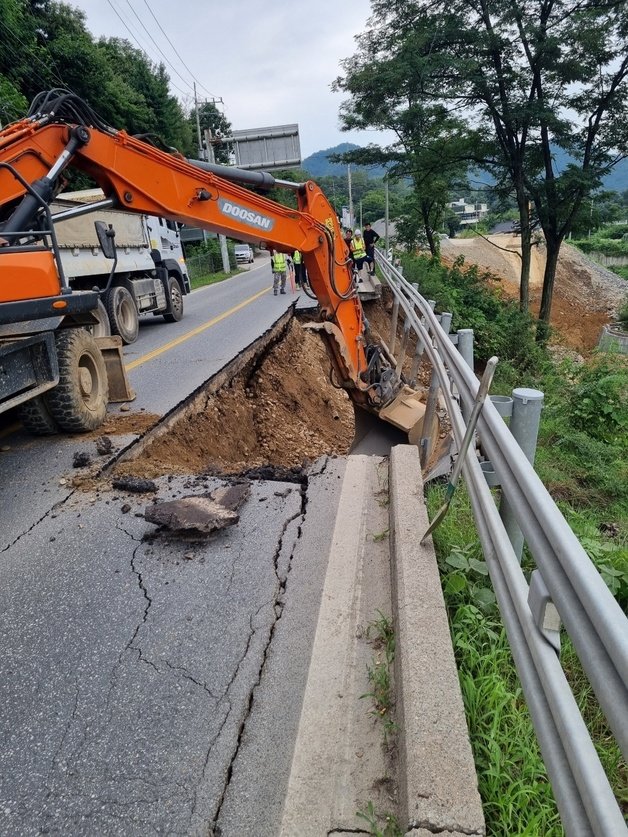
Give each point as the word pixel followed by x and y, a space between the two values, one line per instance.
pixel 586 295
pixel 285 412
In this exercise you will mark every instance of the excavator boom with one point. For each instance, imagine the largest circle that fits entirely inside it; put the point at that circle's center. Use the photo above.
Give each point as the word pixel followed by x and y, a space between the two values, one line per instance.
pixel 138 177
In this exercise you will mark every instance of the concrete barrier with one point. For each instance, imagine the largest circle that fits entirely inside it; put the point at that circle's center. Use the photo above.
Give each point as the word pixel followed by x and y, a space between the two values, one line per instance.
pixel 437 778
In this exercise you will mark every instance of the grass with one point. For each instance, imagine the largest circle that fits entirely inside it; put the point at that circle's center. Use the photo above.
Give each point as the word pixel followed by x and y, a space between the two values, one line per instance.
pixel 381 635
pixel 213 278
pixel 582 458
pixel 380 824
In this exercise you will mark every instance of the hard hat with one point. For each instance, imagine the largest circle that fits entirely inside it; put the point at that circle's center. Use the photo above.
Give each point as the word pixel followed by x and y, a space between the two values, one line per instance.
pixel 357 232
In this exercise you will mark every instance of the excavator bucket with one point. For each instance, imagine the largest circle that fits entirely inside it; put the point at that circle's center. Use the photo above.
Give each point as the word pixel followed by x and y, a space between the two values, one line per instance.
pixel 119 387
pixel 399 423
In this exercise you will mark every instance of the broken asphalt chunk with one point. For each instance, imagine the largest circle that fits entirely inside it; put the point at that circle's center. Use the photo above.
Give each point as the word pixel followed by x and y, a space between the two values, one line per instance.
pixel 197 514
pixel 203 514
pixel 135 484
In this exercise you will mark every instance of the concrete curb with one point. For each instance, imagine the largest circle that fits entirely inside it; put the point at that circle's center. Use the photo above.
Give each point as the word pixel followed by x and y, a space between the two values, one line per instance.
pixel 437 778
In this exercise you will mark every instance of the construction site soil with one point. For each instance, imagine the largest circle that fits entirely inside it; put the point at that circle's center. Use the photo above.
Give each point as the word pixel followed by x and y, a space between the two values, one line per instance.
pixel 286 413
pixel 586 295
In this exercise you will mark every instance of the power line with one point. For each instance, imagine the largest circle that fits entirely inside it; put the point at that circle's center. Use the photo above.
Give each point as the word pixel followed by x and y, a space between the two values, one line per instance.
pixel 141 48
pixel 54 69
pixel 167 60
pixel 176 52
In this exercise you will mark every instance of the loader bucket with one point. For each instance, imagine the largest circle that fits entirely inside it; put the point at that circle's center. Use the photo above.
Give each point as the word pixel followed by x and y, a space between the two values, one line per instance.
pixel 119 387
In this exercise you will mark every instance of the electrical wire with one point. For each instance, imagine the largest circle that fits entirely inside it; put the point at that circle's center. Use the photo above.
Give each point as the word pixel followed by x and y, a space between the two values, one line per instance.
pixel 161 52
pixel 140 47
pixel 176 52
pixel 54 69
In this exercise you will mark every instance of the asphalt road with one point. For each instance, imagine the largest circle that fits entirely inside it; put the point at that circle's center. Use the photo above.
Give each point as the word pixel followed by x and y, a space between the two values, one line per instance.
pixel 152 686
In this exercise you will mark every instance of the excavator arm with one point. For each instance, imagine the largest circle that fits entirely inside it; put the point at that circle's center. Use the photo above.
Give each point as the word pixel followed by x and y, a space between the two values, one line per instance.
pixel 139 177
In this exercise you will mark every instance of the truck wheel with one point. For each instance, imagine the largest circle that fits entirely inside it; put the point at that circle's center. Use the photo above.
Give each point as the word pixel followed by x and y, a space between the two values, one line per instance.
pixel 122 312
pixel 102 328
pixel 79 401
pixel 175 301
pixel 37 418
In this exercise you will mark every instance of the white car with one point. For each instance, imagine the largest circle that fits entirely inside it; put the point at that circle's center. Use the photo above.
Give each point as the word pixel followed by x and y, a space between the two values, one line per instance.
pixel 243 254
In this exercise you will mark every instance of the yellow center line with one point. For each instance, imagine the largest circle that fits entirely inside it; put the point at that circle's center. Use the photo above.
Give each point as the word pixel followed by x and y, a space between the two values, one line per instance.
pixel 177 342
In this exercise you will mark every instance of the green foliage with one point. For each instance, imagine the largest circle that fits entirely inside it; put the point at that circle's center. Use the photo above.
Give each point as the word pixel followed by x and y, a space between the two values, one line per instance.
pixel 622 316
pixel 598 244
pixel 381 634
pixel 380 825
pixel 599 399
pixel 500 328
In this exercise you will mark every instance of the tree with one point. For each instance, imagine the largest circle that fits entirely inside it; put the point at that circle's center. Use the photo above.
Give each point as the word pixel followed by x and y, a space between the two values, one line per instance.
pixel 388 80
pixel 211 119
pixel 537 76
pixel 550 74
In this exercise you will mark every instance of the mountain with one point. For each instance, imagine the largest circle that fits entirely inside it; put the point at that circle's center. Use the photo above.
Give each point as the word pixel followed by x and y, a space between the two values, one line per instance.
pixel 616 181
pixel 318 164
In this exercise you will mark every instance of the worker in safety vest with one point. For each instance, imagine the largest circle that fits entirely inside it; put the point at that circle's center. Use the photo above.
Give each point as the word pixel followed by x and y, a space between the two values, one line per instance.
pixel 280 267
pixel 358 252
pixel 299 268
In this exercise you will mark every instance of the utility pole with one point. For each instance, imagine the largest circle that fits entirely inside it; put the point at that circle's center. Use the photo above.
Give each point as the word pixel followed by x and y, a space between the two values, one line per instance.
pixel 201 156
pixel 361 225
pixel 386 237
pixel 350 196
pixel 224 252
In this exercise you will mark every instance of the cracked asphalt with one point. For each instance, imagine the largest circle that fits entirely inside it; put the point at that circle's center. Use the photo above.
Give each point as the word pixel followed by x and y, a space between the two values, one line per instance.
pixel 154 686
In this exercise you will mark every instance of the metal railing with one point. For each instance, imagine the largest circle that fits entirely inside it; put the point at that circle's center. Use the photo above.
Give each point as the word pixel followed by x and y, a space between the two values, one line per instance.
pixel 565 582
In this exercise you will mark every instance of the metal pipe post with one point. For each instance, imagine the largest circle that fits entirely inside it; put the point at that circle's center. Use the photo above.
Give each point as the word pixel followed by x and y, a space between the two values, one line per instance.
pixel 393 326
pixel 524 426
pixel 465 347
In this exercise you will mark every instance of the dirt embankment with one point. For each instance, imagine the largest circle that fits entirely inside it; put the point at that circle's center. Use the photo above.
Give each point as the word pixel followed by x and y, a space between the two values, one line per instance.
pixel 285 413
pixel 586 295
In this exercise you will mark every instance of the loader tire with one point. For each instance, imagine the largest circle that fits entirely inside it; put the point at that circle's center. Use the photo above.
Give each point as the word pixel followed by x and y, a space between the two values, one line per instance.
pixel 79 401
pixel 36 417
pixel 175 302
pixel 122 312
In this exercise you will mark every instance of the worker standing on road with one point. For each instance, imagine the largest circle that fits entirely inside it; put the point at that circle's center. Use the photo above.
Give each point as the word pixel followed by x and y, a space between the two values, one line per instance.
pixel 280 268
pixel 299 268
pixel 370 238
pixel 358 252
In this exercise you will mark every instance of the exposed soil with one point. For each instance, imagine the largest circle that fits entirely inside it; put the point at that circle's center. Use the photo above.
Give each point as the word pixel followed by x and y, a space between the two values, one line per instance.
pixel 586 295
pixel 118 424
pixel 285 413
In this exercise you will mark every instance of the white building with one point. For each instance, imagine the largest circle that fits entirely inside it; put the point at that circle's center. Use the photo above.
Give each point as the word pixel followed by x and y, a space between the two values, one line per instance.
pixel 468 213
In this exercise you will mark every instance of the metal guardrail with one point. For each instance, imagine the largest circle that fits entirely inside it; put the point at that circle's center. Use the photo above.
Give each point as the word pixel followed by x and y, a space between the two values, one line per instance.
pixel 565 579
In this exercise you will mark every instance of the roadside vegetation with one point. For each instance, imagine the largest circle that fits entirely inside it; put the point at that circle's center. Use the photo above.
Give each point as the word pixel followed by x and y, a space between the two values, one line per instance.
pixel 582 458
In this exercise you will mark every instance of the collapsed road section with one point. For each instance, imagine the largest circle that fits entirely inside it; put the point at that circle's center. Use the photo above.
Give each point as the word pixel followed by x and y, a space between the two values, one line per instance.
pixel 131 660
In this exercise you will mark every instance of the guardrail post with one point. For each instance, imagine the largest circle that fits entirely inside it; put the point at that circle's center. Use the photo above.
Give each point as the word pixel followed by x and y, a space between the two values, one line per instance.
pixel 465 347
pixel 404 345
pixel 524 426
pixel 393 327
pixel 425 445
pixel 419 349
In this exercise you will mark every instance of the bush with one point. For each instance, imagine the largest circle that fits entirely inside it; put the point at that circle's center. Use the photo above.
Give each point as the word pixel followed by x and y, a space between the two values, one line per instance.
pixel 599 403
pixel 499 327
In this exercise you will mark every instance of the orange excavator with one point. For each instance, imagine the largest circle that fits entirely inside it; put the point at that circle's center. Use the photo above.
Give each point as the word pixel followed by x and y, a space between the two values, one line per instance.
pixel 50 365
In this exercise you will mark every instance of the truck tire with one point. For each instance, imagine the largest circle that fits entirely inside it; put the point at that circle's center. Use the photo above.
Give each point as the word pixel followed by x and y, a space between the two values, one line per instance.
pixel 122 312
pixel 79 401
pixel 37 418
pixel 102 328
pixel 175 302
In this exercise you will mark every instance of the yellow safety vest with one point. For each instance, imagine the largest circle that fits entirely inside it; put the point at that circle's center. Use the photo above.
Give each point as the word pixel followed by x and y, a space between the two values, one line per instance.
pixel 358 248
pixel 279 263
pixel 296 258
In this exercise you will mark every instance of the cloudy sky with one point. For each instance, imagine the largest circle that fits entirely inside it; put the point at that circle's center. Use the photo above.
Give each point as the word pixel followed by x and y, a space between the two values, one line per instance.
pixel 272 63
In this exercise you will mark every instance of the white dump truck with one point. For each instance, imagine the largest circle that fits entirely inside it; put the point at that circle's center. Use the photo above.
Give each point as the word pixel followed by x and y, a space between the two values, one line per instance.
pixel 149 275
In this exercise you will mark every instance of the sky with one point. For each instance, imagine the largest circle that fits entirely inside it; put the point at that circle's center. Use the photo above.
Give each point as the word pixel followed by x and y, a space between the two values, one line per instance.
pixel 271 63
